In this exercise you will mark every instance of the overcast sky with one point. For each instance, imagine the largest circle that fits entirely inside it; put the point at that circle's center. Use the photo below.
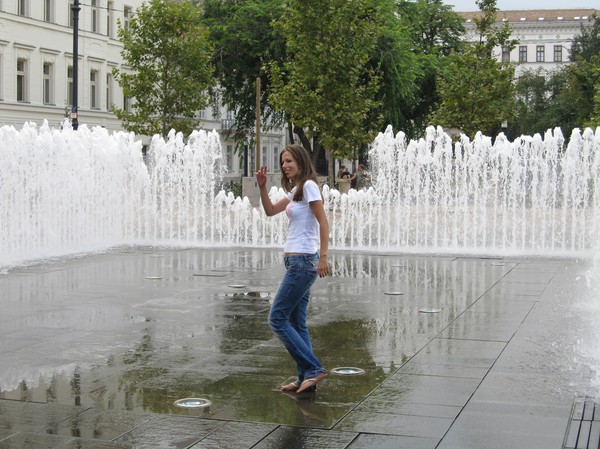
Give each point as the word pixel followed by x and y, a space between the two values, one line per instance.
pixel 469 5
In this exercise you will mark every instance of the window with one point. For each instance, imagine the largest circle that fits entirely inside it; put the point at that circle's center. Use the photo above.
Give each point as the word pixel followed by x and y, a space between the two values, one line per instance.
pixel 523 53
pixel 48 84
pixel 241 159
pixel 70 85
pixel 558 53
pixel 229 157
pixel 49 10
pixel 95 16
pixel 70 15
pixel 126 17
pixel 109 18
pixel 23 7
pixel 126 103
pixel 276 159
pixel 505 54
pixel 109 91
pixel 539 53
pixel 22 88
pixel 94 90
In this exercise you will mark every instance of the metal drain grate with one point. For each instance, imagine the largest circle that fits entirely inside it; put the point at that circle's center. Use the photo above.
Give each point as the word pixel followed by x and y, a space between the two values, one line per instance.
pixel 583 431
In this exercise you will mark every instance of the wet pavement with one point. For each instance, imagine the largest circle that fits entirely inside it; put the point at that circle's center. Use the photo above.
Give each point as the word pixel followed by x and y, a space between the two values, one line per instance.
pixel 457 352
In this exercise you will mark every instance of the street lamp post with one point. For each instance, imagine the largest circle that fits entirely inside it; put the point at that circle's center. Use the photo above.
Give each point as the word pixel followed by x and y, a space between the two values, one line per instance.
pixel 74 114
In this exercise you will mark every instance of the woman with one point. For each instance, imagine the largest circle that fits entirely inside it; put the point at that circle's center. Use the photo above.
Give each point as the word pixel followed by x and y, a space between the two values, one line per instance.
pixel 308 232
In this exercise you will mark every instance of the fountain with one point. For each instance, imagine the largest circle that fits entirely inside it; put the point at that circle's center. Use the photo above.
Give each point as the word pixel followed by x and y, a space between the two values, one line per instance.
pixel 65 192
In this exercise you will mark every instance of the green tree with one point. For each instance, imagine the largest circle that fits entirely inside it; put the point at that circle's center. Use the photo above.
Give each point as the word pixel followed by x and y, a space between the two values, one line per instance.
pixel 435 32
pixel 166 48
pixel 534 99
pixel 584 74
pixel 476 91
pixel 245 40
pixel 594 120
pixel 587 43
pixel 327 86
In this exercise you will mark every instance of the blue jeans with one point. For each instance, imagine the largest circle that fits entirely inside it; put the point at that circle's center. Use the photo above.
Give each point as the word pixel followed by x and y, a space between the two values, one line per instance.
pixel 288 313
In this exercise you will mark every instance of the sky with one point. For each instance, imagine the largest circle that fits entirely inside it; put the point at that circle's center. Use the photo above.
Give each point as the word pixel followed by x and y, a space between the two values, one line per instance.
pixel 469 5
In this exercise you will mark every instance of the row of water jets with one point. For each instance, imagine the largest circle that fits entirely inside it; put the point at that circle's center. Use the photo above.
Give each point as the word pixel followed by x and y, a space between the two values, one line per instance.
pixel 65 192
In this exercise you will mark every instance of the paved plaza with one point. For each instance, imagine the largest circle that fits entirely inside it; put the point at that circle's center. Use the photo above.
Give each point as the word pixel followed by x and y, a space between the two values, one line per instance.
pixel 458 352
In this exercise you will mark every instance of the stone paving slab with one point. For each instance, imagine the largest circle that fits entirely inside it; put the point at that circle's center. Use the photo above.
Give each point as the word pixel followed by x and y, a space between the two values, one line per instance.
pixel 94 350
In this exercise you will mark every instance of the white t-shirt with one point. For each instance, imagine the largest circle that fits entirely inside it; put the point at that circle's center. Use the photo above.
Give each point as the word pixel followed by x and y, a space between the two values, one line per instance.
pixel 303 231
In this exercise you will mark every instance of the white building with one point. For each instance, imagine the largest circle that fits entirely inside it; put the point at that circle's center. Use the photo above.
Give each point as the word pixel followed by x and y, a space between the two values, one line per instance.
pixel 36 70
pixel 544 36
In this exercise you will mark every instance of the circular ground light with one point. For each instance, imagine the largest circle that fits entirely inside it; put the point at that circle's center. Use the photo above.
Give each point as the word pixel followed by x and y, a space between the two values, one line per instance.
pixel 426 310
pixel 192 403
pixel 154 277
pixel 394 293
pixel 348 371
pixel 258 295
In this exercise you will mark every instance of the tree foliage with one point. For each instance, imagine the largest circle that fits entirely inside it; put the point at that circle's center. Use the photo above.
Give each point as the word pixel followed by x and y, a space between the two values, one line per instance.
pixel 435 32
pixel 587 43
pixel 245 41
pixel 166 50
pixel 476 91
pixel 541 104
pixel 327 86
pixel 585 73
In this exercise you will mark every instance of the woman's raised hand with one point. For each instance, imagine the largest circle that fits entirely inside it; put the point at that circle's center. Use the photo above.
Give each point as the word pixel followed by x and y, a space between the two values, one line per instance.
pixel 261 176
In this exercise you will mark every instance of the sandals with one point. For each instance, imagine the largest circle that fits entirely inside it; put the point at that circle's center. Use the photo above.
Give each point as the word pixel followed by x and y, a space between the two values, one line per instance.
pixel 311 382
pixel 291 387
pixel 295 386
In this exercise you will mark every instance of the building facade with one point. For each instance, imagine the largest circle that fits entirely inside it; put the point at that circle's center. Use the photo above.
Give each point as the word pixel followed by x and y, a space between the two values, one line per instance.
pixel 544 36
pixel 36 71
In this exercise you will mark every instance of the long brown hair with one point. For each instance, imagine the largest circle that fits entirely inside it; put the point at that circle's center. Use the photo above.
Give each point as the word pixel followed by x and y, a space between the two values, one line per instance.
pixel 306 170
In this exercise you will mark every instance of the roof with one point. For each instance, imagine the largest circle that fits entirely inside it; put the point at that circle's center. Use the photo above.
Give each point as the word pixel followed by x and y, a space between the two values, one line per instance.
pixel 536 15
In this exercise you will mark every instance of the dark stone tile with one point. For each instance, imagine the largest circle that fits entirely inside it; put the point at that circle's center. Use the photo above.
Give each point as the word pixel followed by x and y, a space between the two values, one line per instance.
pixel 237 435
pixel 418 389
pixel 301 438
pixel 464 330
pixel 101 424
pixel 443 351
pixel 498 311
pixel 528 277
pixel 520 288
pixel 447 370
pixel 594 440
pixel 177 432
pixel 383 405
pixel 508 425
pixel 34 417
pixel 45 441
pixel 7 433
pixel 374 441
pixel 392 424
pixel 535 387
